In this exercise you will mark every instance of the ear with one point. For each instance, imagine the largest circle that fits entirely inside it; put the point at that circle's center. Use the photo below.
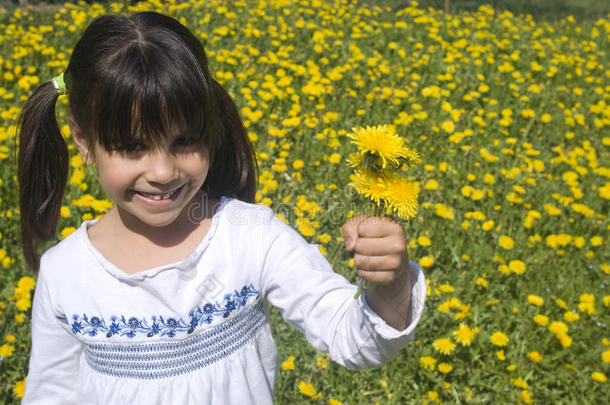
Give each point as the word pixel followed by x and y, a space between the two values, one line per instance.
pixel 81 143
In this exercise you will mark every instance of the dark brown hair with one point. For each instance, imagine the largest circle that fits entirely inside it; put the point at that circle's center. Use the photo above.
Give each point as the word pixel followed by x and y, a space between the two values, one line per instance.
pixel 135 78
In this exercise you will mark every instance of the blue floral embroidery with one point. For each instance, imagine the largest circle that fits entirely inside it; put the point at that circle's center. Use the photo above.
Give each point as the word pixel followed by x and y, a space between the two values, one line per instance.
pixel 131 327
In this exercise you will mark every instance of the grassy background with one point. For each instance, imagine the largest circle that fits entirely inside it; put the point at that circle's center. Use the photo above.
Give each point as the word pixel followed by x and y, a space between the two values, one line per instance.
pixel 539 9
pixel 511 117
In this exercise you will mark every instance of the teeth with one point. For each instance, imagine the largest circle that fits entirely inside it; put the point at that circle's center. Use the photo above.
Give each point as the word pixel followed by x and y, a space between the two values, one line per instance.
pixel 157 196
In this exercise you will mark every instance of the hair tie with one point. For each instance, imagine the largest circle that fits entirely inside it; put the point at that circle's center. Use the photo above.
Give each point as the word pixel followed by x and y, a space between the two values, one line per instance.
pixel 60 85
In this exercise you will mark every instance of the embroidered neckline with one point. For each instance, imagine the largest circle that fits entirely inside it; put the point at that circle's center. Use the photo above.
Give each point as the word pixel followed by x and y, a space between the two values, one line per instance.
pixel 169 326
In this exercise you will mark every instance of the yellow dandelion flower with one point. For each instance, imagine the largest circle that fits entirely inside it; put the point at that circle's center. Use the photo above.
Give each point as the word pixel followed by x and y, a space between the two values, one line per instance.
pixel 384 145
pixel 426 261
pixel 443 345
pixel 431 185
pixel 334 158
pixel 19 388
pixel 370 184
pixel 506 242
pixel 482 282
pixel 402 196
pixel 570 316
pixel 443 211
pixel 6 350
pixel 448 126
pixel 526 397
pixel 487 225
pixel 558 327
pixel 587 303
pixel 305 227
pixel 288 364
pixel 423 241
pixel 519 383
pixel 606 356
pixel 306 389
pixel 564 339
pixel 64 212
pixel 499 339
pixel 446 288
pixel 604 191
pixel 464 335
pixel 534 356
pixel 561 303
pixel 516 266
pixel 444 368
pixel 67 231
pixel 535 300
pixel 599 377
pixel 23 304
pixel 427 362
pixel 26 283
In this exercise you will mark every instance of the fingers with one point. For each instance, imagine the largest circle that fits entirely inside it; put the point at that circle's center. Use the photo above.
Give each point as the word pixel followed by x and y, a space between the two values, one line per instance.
pixel 350 231
pixel 378 259
pixel 387 245
pixel 377 263
pixel 378 277
pixel 375 227
pixel 361 226
pixel 380 247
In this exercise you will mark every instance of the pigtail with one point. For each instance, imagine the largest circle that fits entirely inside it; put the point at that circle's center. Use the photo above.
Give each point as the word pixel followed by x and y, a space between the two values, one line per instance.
pixel 234 170
pixel 42 171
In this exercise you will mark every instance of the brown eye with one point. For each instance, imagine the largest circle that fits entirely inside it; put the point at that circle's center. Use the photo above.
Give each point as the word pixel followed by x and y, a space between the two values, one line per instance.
pixel 186 141
pixel 132 148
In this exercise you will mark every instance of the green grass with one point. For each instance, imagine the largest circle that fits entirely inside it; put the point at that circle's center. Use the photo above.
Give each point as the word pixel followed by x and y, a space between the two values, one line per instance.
pixel 528 101
pixel 539 9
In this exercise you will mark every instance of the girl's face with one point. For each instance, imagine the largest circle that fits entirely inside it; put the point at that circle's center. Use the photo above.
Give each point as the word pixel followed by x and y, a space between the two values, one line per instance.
pixel 152 187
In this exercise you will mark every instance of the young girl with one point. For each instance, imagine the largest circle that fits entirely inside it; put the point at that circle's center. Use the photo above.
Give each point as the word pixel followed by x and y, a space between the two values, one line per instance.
pixel 164 299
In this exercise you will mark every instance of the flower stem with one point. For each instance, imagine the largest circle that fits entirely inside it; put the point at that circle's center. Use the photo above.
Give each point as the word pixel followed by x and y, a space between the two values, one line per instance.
pixel 361 286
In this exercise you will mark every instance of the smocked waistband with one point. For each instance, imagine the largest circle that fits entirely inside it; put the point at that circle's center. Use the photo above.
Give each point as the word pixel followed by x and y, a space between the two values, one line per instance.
pixel 167 359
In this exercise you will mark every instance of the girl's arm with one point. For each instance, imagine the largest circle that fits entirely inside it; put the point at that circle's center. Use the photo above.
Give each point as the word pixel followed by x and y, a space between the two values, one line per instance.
pixel 299 281
pixel 54 362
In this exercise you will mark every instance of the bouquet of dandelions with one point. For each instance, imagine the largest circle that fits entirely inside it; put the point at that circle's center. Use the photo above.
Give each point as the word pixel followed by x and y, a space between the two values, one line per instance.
pixel 381 155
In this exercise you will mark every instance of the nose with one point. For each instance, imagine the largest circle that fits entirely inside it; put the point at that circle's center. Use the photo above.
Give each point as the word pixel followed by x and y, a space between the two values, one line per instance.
pixel 161 168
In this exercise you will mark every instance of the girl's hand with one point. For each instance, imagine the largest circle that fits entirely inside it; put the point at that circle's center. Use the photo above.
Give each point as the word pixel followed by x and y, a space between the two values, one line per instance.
pixel 381 258
pixel 380 247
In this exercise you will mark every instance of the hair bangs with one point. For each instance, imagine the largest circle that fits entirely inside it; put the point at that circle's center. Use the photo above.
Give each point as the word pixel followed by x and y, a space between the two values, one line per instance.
pixel 150 94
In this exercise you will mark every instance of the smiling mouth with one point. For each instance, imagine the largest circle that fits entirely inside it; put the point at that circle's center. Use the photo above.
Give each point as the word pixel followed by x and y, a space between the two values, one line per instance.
pixel 159 197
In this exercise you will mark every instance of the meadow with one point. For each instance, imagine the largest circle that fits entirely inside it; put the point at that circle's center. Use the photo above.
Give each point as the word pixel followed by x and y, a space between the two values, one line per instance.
pixel 511 117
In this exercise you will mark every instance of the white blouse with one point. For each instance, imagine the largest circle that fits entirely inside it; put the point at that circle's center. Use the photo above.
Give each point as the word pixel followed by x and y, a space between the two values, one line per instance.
pixel 196 331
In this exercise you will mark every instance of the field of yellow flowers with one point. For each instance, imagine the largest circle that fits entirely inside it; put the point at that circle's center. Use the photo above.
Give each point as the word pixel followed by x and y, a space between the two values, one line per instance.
pixel 511 117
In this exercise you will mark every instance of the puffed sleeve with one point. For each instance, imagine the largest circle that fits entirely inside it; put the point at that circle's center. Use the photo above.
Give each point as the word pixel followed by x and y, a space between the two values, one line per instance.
pixel 320 303
pixel 54 362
